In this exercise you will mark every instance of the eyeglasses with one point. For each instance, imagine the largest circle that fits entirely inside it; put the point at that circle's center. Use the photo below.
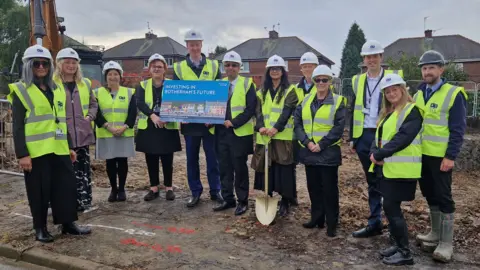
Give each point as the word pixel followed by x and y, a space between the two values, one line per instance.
pixel 44 64
pixel 275 68
pixel 232 65
pixel 318 80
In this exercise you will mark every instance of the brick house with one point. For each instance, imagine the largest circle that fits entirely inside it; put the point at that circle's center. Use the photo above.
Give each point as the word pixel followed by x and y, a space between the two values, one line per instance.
pixel 133 55
pixel 464 52
pixel 255 53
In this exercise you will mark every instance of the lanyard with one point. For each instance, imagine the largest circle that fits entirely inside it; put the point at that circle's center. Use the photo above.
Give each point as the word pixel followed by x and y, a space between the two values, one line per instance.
pixel 370 93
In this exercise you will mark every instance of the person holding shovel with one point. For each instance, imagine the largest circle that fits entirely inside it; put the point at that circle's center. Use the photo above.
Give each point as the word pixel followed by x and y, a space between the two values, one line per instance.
pixel 276 103
pixel 396 155
pixel 319 124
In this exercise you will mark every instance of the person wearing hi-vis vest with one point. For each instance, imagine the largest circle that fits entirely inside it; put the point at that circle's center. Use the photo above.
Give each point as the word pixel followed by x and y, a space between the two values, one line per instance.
pixel 319 125
pixel 117 112
pixel 198 67
pixel 43 145
pixel 156 138
pixel 234 139
pixel 366 105
pixel 276 102
pixel 444 126
pixel 396 156
pixel 81 110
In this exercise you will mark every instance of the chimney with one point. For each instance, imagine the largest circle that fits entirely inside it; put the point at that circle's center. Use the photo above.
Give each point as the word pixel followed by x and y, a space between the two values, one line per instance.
pixel 273 34
pixel 428 33
pixel 150 36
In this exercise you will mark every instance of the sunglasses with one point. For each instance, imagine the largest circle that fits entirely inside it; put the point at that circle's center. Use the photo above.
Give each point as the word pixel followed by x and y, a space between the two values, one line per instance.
pixel 232 65
pixel 275 68
pixel 318 80
pixel 44 64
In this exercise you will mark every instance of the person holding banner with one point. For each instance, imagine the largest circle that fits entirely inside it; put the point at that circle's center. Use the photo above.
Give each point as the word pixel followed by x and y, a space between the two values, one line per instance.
pixel 81 111
pixel 234 139
pixel 117 112
pixel 276 103
pixel 157 139
pixel 198 67
pixel 319 124
pixel 43 145
pixel 396 156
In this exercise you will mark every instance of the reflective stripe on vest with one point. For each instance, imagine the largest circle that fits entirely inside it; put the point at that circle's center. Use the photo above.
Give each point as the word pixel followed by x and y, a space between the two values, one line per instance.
pixel 238 103
pixel 114 110
pixel 435 124
pixel 404 164
pixel 147 85
pixel 271 111
pixel 324 118
pixel 184 72
pixel 40 121
pixel 358 82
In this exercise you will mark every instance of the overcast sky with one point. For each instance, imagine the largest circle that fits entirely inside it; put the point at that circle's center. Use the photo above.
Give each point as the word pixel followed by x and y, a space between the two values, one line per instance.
pixel 323 24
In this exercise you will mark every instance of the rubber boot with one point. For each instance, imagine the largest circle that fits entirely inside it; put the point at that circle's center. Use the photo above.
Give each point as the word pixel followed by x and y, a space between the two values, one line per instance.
pixel 434 234
pixel 444 250
pixel 403 256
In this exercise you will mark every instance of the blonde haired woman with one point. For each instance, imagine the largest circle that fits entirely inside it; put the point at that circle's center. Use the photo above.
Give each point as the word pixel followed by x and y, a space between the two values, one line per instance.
pixel 81 109
pixel 396 156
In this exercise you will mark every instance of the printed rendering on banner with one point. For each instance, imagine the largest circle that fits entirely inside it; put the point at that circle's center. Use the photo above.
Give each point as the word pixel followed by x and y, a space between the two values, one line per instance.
pixel 194 101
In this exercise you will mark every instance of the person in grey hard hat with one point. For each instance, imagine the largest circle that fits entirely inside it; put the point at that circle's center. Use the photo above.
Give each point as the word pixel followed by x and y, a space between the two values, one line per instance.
pixel 444 127
pixel 196 66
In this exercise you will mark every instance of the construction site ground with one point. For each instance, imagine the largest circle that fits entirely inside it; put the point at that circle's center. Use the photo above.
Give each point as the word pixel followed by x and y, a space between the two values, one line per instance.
pixel 166 235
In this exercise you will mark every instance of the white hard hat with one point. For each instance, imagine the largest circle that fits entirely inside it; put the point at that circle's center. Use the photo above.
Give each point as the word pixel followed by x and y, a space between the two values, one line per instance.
pixel 371 47
pixel 36 51
pixel 322 70
pixel 391 79
pixel 276 61
pixel 193 35
pixel 309 58
pixel 67 53
pixel 232 56
pixel 112 65
pixel 157 56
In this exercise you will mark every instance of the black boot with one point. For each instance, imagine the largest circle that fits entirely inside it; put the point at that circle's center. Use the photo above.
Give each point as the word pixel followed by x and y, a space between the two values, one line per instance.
pixel 42 235
pixel 403 255
pixel 315 222
pixel 284 207
pixel 74 229
pixel 393 248
pixel 113 195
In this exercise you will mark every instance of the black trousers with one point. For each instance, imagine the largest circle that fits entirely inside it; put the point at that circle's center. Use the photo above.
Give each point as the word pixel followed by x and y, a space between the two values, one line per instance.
pixel 322 184
pixel 436 186
pixel 153 166
pixel 117 167
pixel 233 171
pixel 396 222
pixel 51 180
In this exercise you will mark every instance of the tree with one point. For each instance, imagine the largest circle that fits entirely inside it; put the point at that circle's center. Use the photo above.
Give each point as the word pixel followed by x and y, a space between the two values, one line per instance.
pixel 351 52
pixel 14 31
pixel 220 49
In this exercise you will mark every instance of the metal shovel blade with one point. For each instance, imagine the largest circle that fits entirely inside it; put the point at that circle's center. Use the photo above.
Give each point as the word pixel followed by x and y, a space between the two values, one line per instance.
pixel 266 209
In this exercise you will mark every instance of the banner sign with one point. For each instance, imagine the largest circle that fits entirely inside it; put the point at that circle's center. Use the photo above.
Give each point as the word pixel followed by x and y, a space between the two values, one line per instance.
pixel 194 101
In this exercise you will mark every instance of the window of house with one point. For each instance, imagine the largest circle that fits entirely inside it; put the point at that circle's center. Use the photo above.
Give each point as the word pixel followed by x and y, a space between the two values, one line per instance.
pixel 120 62
pixel 169 62
pixel 145 63
pixel 459 66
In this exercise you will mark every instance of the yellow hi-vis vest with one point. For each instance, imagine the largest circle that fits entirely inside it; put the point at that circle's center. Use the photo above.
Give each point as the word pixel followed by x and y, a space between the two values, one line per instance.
pixel 115 110
pixel 142 122
pixel 407 163
pixel 238 103
pixel 271 111
pixel 435 121
pixel 209 73
pixel 84 90
pixel 43 135
pixel 324 117
pixel 358 83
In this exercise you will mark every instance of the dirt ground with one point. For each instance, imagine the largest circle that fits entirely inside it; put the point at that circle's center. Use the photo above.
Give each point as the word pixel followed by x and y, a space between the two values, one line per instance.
pixel 165 235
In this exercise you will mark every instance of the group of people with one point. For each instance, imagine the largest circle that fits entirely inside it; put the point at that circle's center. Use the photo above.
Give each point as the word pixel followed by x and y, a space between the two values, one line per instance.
pixel 398 139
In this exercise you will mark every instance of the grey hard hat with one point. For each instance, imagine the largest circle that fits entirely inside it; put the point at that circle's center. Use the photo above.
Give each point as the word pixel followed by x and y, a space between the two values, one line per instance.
pixel 431 57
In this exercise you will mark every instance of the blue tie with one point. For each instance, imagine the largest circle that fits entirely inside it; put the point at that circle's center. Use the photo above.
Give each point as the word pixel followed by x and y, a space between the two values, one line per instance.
pixel 429 93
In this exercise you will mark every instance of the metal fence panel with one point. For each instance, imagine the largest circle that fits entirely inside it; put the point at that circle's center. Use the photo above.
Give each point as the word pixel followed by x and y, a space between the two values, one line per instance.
pixel 8 159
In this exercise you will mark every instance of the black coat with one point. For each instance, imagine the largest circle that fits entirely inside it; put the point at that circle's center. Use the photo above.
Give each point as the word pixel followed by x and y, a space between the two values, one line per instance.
pixel 329 155
pixel 152 140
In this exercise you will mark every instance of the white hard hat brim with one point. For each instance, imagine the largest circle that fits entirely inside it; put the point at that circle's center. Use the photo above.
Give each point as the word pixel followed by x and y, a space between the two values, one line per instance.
pixel 392 84
pixel 371 53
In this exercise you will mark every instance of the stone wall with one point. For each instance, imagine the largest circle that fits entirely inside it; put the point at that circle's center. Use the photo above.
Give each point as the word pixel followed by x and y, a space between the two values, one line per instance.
pixel 469 157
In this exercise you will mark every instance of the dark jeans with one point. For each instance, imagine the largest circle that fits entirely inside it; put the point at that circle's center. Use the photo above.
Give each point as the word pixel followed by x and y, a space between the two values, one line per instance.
pixel 193 167
pixel 153 167
pixel 374 196
pixel 117 166
pixel 436 186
